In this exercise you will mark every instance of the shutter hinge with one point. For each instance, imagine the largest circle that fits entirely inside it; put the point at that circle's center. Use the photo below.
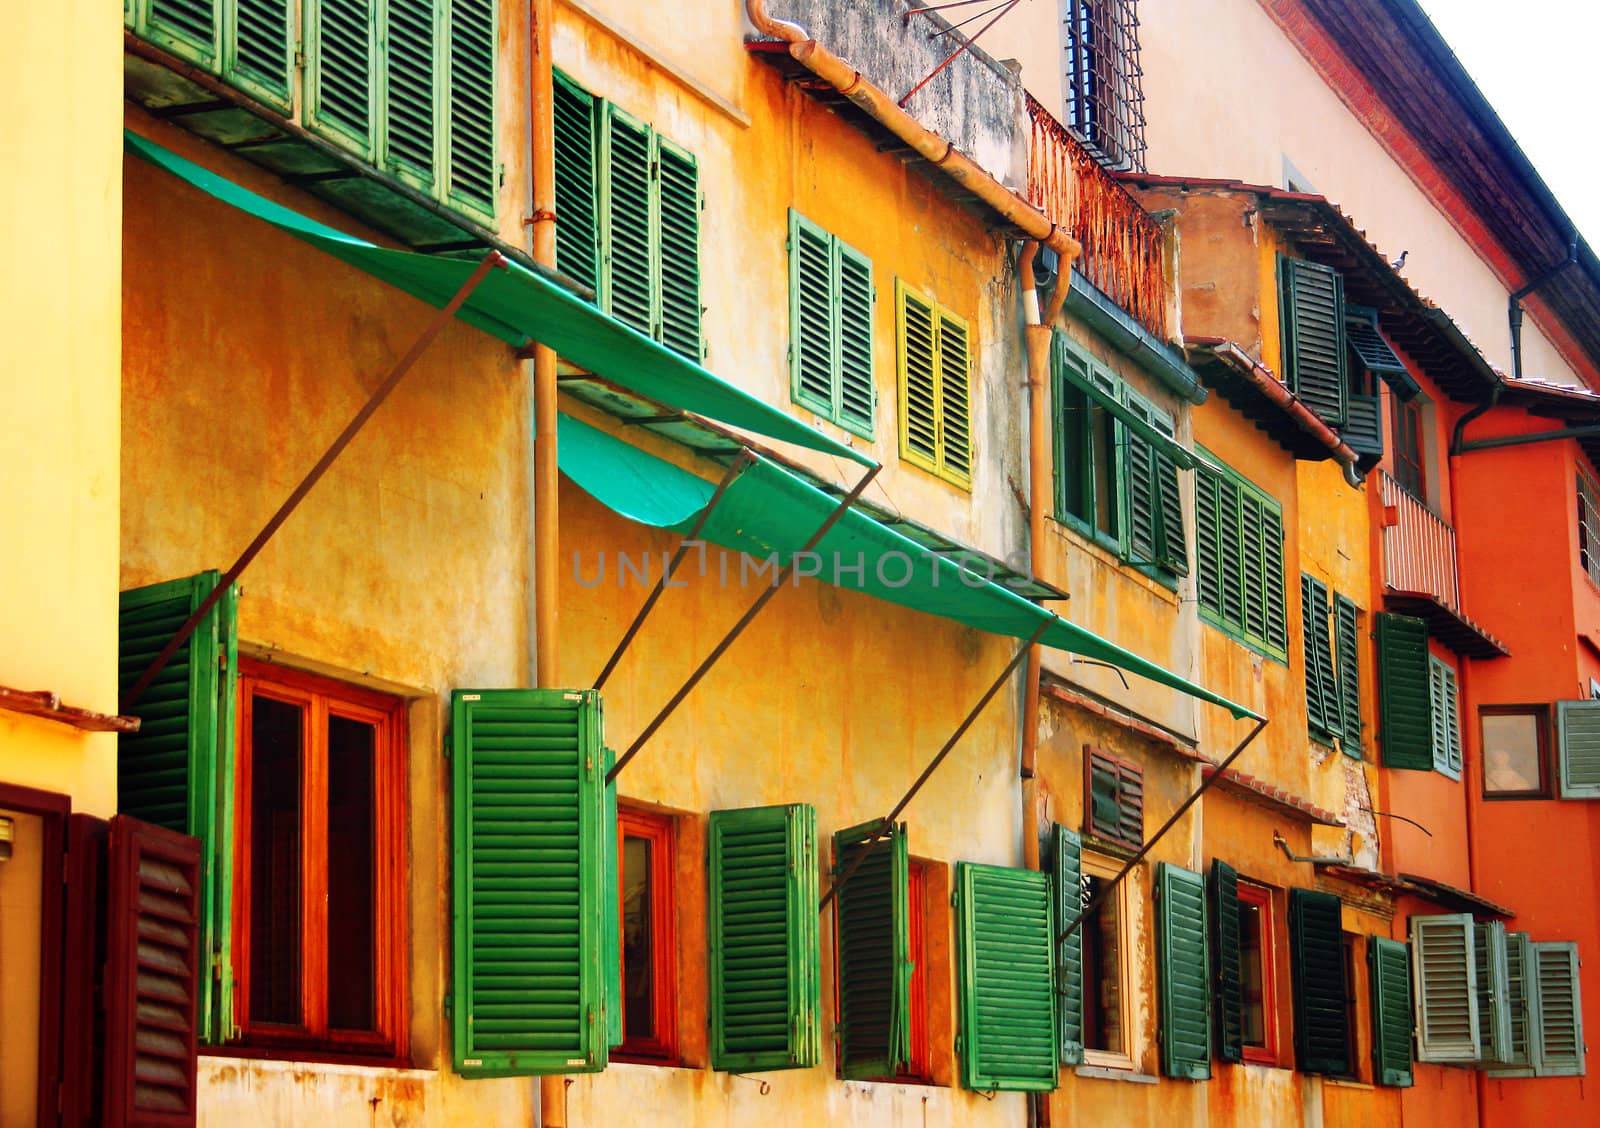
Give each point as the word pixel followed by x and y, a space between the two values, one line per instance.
pixel 502 174
pixel 300 60
pixel 449 1006
pixel 222 660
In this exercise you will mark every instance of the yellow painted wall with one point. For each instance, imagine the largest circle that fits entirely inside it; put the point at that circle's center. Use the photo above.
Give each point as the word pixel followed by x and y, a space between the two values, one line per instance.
pixel 59 316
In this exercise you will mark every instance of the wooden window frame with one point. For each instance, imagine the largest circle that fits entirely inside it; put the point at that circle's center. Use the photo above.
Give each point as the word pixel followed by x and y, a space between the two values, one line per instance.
pixel 322 698
pixel 661 832
pixel 1265 1053
pixel 1541 715
pixel 1105 868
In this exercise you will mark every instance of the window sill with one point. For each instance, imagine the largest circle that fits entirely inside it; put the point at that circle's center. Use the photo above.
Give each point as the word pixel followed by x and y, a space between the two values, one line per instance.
pixel 285 1058
pixel 1115 1073
pixel 1101 549
pixel 1348 1083
pixel 1231 635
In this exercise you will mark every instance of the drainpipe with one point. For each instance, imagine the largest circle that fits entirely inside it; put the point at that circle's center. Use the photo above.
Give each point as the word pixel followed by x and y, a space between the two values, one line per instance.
pixel 1514 305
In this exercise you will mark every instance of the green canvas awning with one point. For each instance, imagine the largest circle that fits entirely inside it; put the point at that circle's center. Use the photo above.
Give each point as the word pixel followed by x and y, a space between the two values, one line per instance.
pixel 517 305
pixel 767 511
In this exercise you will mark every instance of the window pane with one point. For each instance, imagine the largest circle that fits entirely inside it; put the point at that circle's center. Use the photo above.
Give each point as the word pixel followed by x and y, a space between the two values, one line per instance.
pixel 1255 1025
pixel 275 768
pixel 1105 471
pixel 1074 409
pixel 352 861
pixel 1102 970
pixel 638 967
pixel 1511 752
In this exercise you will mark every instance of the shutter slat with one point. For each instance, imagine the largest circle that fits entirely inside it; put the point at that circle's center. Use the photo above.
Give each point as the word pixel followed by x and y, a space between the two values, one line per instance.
pixel 1006 979
pixel 344 37
pixel 577 208
pixel 187 28
pixel 1405 727
pixel 1228 960
pixel 469 103
pixel 256 54
pixel 1445 976
pixel 1316 951
pixel 679 209
pixel 1578 748
pixel 1067 894
pixel 874 955
pixel 1389 968
pixel 1184 973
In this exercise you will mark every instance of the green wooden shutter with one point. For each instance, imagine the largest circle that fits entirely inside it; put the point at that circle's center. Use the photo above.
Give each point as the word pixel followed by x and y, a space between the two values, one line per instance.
pixel 627 240
pixel 187 28
pixel 1313 336
pixel 1322 693
pixel 1005 966
pixel 469 103
pixel 611 843
pixel 1367 341
pixel 918 357
pixel 1316 962
pixel 1172 543
pixel 1252 530
pixel 1363 433
pixel 1228 959
pixel 1185 973
pixel 342 40
pixel 257 52
pixel 177 770
pixel 1389 969
pixel 874 1028
pixel 1067 893
pixel 813 315
pixel 1519 977
pixel 1405 714
pixel 1208 549
pixel 1578 749
pixel 1558 1049
pixel 575 113
pixel 765 983
pixel 678 212
pixel 530 898
pixel 1231 554
pixel 410 85
pixel 1273 580
pixel 1445 730
pixel 857 392
pixel 1142 490
pixel 1490 966
pixel 1347 639
pixel 955 399
pixel 1445 974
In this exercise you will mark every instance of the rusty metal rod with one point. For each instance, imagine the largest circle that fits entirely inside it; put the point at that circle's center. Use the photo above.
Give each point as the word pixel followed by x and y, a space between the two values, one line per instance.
pixel 745 458
pixel 953 28
pixel 738 628
pixel 490 261
pixel 958 51
pixel 1099 899
pixel 933 765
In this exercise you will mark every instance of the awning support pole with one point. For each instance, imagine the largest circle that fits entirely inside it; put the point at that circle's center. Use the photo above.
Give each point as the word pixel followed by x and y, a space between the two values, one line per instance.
pixel 490 261
pixel 738 628
pixel 744 458
pixel 933 765
pixel 1095 904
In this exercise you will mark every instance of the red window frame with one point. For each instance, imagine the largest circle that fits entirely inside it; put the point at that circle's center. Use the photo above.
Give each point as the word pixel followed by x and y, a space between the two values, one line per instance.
pixel 1264 1052
pixel 660 832
pixel 919 1063
pixel 1410 448
pixel 320 699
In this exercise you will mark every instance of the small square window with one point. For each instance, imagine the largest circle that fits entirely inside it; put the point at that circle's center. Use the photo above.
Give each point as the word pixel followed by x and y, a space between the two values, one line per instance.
pixel 1515 752
pixel 1257 944
pixel 649 936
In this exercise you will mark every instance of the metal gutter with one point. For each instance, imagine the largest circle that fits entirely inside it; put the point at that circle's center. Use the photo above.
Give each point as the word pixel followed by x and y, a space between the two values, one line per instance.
pixel 1094 307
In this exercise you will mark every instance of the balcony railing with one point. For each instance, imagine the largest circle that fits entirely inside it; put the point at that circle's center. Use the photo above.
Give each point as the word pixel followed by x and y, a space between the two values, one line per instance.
pixel 1122 251
pixel 1419 549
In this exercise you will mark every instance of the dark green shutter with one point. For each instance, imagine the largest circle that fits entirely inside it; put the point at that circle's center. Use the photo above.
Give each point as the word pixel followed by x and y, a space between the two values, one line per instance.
pixel 1364 431
pixel 1277 637
pixel 410 82
pixel 1389 969
pixel 339 89
pixel 530 898
pixel 577 183
pixel 1230 555
pixel 1494 992
pixel 1405 715
pixel 1316 964
pixel 470 62
pixel 187 28
pixel 177 770
pixel 1578 749
pixel 1228 957
pixel 812 315
pixel 857 392
pixel 1313 336
pixel 679 241
pixel 1172 552
pixel 1005 964
pixel 1067 893
pixel 1367 341
pixel 1322 694
pixel 1253 562
pixel 1143 498
pixel 1185 973
pixel 1208 552
pixel 874 1028
pixel 1347 641
pixel 765 984
pixel 257 54
pixel 612 845
pixel 955 398
pixel 629 248
pixel 1445 977
pixel 1558 1049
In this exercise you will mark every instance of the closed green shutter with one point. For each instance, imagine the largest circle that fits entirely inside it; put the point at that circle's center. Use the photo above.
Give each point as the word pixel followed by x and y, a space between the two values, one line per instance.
pixel 530 895
pixel 1519 977
pixel 813 315
pixel 678 211
pixel 627 281
pixel 1445 738
pixel 918 357
pixel 1185 973
pixel 955 399
pixel 1277 615
pixel 577 183
pixel 874 1029
pixel 410 81
pixel 1067 894
pixel 1253 563
pixel 1347 640
pixel 765 984
pixel 1322 694
pixel 1405 715
pixel 470 65
pixel 1005 964
pixel 187 28
pixel 1558 1049
pixel 1230 557
pixel 1578 748
pixel 1312 303
pixel 1445 976
pixel 342 42
pixel 1208 550
pixel 1389 969
pixel 1364 431
pixel 177 770
pixel 257 53
pixel 1490 966
pixel 857 392
pixel 1228 960
pixel 1316 963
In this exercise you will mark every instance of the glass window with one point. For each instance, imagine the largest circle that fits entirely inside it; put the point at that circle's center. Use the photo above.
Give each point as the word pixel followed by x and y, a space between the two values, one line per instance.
pixel 1352 965
pixel 1515 752
pixel 649 940
pixel 1107 963
pixel 1256 945
pixel 1408 448
pixel 1588 527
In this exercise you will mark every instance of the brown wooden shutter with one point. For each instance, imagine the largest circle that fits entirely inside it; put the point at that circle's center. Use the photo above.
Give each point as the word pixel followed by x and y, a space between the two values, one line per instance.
pixel 1113 798
pixel 151 974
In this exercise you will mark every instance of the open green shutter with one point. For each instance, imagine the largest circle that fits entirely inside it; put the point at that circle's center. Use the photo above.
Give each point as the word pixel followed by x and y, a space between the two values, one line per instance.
pixel 1446 725
pixel 813 315
pixel 1445 978
pixel 1067 893
pixel 678 212
pixel 1172 543
pixel 955 398
pixel 1185 973
pixel 874 1027
pixel 918 357
pixel 1313 336
pixel 1322 695
pixel 857 393
pixel 764 967
pixel 1389 969
pixel 342 40
pixel 410 89
pixel 1005 968
pixel 1372 348
pixel 1519 1004
pixel 187 28
pixel 529 900
pixel 1347 641
pixel 627 284
pixel 1207 556
pixel 1494 992
pixel 1316 964
pixel 612 845
pixel 1558 1049
pixel 1405 714
pixel 177 770
pixel 1578 749
pixel 469 106
pixel 257 53
pixel 1231 554
pixel 1363 433
pixel 1143 496
pixel 575 111
pixel 1228 960
pixel 1254 570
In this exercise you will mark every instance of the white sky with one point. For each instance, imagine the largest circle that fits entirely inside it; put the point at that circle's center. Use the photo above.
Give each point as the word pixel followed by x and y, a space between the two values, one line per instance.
pixel 1535 60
